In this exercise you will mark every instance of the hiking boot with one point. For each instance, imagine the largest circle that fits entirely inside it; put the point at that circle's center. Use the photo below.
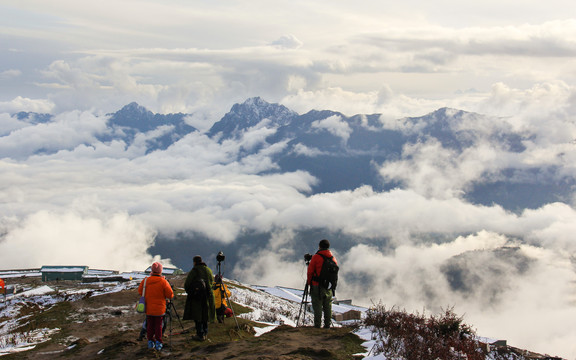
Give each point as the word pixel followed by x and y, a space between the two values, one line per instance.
pixel 159 345
pixel 150 344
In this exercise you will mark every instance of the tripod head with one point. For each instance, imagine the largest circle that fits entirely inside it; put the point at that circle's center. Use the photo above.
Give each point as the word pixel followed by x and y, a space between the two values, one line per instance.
pixel 307 258
pixel 220 259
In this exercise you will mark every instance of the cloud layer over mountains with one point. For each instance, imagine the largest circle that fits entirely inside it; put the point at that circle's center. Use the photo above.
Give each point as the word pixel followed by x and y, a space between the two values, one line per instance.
pixel 427 206
pixel 79 188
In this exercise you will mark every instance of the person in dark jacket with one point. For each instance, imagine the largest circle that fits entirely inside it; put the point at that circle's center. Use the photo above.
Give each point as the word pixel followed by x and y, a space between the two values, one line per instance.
pixel 321 297
pixel 200 308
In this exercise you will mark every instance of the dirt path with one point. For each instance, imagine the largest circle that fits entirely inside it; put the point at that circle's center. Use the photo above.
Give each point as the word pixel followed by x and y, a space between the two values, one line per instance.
pixel 287 343
pixel 282 343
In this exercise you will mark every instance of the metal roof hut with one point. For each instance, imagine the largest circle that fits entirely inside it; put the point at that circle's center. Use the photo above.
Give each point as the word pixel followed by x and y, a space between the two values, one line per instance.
pixel 55 273
pixel 166 271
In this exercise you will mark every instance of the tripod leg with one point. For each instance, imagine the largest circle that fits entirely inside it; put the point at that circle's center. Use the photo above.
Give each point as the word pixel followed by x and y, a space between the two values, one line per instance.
pixel 177 316
pixel 233 312
pixel 219 269
pixel 302 304
pixel 170 320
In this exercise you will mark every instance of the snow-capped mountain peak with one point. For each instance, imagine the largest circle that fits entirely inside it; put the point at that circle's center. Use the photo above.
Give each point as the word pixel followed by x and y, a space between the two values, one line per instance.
pixel 248 114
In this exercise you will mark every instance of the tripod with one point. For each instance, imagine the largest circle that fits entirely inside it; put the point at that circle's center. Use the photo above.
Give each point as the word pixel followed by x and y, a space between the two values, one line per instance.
pixel 223 292
pixel 304 301
pixel 169 308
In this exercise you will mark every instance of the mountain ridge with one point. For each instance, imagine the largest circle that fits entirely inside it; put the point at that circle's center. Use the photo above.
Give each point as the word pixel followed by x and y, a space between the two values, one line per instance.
pixel 346 152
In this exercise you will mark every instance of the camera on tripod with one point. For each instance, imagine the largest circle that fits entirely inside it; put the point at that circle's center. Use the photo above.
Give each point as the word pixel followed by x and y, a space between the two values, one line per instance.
pixel 220 257
pixel 307 257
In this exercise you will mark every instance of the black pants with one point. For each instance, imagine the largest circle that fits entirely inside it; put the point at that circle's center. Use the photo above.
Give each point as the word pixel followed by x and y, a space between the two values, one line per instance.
pixel 220 313
pixel 201 328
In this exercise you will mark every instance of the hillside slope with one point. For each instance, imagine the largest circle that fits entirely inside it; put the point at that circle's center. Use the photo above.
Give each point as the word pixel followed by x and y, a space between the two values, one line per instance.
pixel 98 322
pixel 71 319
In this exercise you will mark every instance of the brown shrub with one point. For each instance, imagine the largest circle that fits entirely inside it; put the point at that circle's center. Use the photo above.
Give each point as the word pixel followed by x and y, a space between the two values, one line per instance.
pixel 417 337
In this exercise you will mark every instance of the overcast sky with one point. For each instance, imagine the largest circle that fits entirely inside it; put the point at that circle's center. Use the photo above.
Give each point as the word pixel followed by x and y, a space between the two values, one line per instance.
pixel 399 58
pixel 102 204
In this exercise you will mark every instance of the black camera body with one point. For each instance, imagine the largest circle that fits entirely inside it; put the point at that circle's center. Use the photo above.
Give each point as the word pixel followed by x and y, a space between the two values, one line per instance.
pixel 307 257
pixel 220 257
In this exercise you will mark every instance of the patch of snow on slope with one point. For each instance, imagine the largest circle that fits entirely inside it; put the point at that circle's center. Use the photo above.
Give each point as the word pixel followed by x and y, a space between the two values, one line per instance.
pixel 16 342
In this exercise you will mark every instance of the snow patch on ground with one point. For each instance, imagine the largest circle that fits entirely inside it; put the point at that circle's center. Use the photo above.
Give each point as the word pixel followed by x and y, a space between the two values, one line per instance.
pixel 367 334
pixel 42 290
pixel 268 308
pixel 16 342
pixel 264 330
pixel 43 297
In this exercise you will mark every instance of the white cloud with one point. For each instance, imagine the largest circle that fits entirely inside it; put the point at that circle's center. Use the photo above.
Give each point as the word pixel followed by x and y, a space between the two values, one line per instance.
pixel 20 103
pixel 549 39
pixel 543 116
pixel 426 66
pixel 333 98
pixel 114 241
pixel 345 39
pixel 334 125
pixel 432 170
pixel 272 262
pixel 12 73
pixel 9 124
pixel 411 277
pixel 300 149
pixel 287 42
pixel 66 132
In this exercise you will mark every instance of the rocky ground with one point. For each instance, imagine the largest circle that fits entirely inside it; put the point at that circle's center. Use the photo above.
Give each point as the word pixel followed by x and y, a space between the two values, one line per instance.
pixel 74 320
pixel 106 327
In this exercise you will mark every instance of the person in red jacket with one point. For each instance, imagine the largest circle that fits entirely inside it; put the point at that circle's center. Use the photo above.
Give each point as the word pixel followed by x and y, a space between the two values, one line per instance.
pixel 3 288
pixel 321 297
pixel 156 290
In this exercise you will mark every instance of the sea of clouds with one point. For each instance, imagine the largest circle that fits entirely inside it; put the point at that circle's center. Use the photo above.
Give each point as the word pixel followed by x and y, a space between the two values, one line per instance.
pixel 66 197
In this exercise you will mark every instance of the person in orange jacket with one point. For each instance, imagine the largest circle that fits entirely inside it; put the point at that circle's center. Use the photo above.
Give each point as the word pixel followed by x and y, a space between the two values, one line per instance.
pixel 157 290
pixel 321 297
